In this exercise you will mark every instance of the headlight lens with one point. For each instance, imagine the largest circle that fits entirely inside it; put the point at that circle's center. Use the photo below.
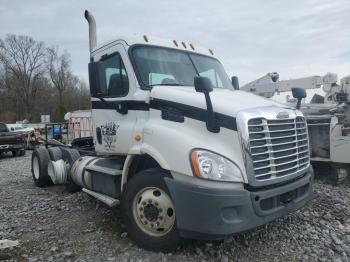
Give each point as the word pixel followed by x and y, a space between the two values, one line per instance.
pixel 212 166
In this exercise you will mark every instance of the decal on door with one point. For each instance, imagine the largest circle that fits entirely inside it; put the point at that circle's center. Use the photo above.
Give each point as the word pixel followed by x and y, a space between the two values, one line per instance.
pixel 109 135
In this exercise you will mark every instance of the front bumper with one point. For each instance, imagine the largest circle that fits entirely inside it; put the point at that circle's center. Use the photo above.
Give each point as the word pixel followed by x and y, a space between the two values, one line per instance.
pixel 213 213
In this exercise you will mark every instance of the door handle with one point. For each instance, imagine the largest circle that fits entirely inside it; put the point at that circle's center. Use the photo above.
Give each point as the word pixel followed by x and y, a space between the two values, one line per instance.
pixel 122 108
pixel 99 135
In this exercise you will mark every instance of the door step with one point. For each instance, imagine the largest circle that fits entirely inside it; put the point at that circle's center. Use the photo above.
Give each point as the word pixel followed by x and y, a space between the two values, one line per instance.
pixel 109 201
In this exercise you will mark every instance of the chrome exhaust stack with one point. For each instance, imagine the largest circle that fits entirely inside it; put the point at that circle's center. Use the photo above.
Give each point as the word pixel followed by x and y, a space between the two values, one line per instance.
pixel 92 29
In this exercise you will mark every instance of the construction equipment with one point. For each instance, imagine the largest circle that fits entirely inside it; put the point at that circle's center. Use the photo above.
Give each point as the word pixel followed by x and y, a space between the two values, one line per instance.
pixel 328 117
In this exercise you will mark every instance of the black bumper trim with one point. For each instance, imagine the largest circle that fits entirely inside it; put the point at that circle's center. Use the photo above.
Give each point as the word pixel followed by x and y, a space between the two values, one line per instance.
pixel 212 213
pixel 12 147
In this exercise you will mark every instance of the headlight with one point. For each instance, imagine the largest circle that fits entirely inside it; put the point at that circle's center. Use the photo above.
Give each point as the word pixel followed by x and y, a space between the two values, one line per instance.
pixel 212 166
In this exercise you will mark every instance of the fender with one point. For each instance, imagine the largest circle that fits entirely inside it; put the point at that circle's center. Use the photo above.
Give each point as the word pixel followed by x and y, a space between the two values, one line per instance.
pixel 144 149
pixel 126 168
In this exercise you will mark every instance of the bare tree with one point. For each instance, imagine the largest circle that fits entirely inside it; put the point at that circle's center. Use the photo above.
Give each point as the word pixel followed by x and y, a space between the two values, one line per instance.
pixel 23 60
pixel 28 69
pixel 60 72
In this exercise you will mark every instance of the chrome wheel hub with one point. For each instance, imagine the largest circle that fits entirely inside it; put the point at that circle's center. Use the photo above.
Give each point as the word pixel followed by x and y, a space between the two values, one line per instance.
pixel 153 211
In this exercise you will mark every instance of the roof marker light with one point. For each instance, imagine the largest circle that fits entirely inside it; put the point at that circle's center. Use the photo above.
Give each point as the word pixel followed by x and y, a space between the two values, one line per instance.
pixel 184 45
pixel 192 46
pixel 175 43
pixel 211 51
pixel 146 38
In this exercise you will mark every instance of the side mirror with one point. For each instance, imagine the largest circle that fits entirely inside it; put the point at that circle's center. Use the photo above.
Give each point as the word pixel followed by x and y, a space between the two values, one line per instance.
pixel 274 76
pixel 97 79
pixel 203 84
pixel 235 82
pixel 299 94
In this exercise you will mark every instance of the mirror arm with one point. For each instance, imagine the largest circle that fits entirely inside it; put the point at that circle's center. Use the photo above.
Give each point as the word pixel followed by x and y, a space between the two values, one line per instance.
pixel 298 103
pixel 212 126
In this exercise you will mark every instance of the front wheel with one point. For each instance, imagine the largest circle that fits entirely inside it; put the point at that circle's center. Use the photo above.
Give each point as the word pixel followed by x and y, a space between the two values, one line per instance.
pixel 149 213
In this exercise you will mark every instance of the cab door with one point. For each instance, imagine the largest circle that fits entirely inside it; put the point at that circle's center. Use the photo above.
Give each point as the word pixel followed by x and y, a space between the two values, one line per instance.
pixel 112 121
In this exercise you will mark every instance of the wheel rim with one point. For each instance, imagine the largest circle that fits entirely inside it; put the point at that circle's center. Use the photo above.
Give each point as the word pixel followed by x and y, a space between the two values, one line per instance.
pixel 36 167
pixel 153 211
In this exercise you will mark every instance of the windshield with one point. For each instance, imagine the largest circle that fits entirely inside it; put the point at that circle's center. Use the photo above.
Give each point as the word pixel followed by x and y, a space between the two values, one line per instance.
pixel 162 66
pixel 3 127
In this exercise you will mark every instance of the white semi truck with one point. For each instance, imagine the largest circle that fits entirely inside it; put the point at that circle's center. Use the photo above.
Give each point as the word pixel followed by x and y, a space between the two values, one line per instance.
pixel 184 153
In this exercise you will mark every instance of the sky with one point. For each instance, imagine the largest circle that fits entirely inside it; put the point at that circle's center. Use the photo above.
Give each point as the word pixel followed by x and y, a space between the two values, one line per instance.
pixel 252 37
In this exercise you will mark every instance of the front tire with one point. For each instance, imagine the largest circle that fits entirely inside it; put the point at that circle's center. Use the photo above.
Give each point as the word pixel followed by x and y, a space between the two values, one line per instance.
pixel 15 153
pixel 148 211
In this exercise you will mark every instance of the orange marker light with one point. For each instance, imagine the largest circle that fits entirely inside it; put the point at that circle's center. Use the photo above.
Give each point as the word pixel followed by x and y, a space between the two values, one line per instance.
pixel 145 37
pixel 137 138
pixel 194 160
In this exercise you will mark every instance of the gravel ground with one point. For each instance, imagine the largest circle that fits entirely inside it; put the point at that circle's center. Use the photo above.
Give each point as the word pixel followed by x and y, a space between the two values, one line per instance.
pixel 53 225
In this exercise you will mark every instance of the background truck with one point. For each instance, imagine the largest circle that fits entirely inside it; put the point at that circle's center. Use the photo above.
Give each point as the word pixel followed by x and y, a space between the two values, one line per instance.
pixel 328 118
pixel 12 141
pixel 183 152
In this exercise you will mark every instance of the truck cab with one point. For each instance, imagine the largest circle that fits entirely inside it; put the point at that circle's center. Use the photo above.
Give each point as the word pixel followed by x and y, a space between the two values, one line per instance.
pixel 185 153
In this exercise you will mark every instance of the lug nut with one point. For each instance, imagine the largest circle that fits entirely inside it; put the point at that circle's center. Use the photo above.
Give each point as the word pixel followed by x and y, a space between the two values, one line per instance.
pixel 144 203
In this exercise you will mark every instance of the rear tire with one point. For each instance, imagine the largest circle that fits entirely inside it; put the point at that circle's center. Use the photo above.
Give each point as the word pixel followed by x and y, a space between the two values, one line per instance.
pixel 153 228
pixel 70 156
pixel 55 153
pixel 15 153
pixel 338 174
pixel 40 160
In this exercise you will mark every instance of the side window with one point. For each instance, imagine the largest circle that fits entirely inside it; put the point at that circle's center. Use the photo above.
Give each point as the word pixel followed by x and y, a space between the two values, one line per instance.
pixel 3 127
pixel 116 78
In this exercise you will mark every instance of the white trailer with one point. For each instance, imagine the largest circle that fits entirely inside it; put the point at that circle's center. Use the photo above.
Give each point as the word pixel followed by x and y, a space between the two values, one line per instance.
pixel 184 153
pixel 79 124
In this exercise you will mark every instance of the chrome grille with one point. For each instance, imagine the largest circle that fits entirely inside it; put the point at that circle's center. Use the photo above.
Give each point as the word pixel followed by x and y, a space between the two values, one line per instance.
pixel 278 147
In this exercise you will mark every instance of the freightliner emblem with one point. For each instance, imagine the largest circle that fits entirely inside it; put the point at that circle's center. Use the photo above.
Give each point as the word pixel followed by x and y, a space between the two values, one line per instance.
pixel 282 115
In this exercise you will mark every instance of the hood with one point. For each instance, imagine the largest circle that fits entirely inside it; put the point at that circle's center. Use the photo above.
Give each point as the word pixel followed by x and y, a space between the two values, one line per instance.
pixel 225 101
